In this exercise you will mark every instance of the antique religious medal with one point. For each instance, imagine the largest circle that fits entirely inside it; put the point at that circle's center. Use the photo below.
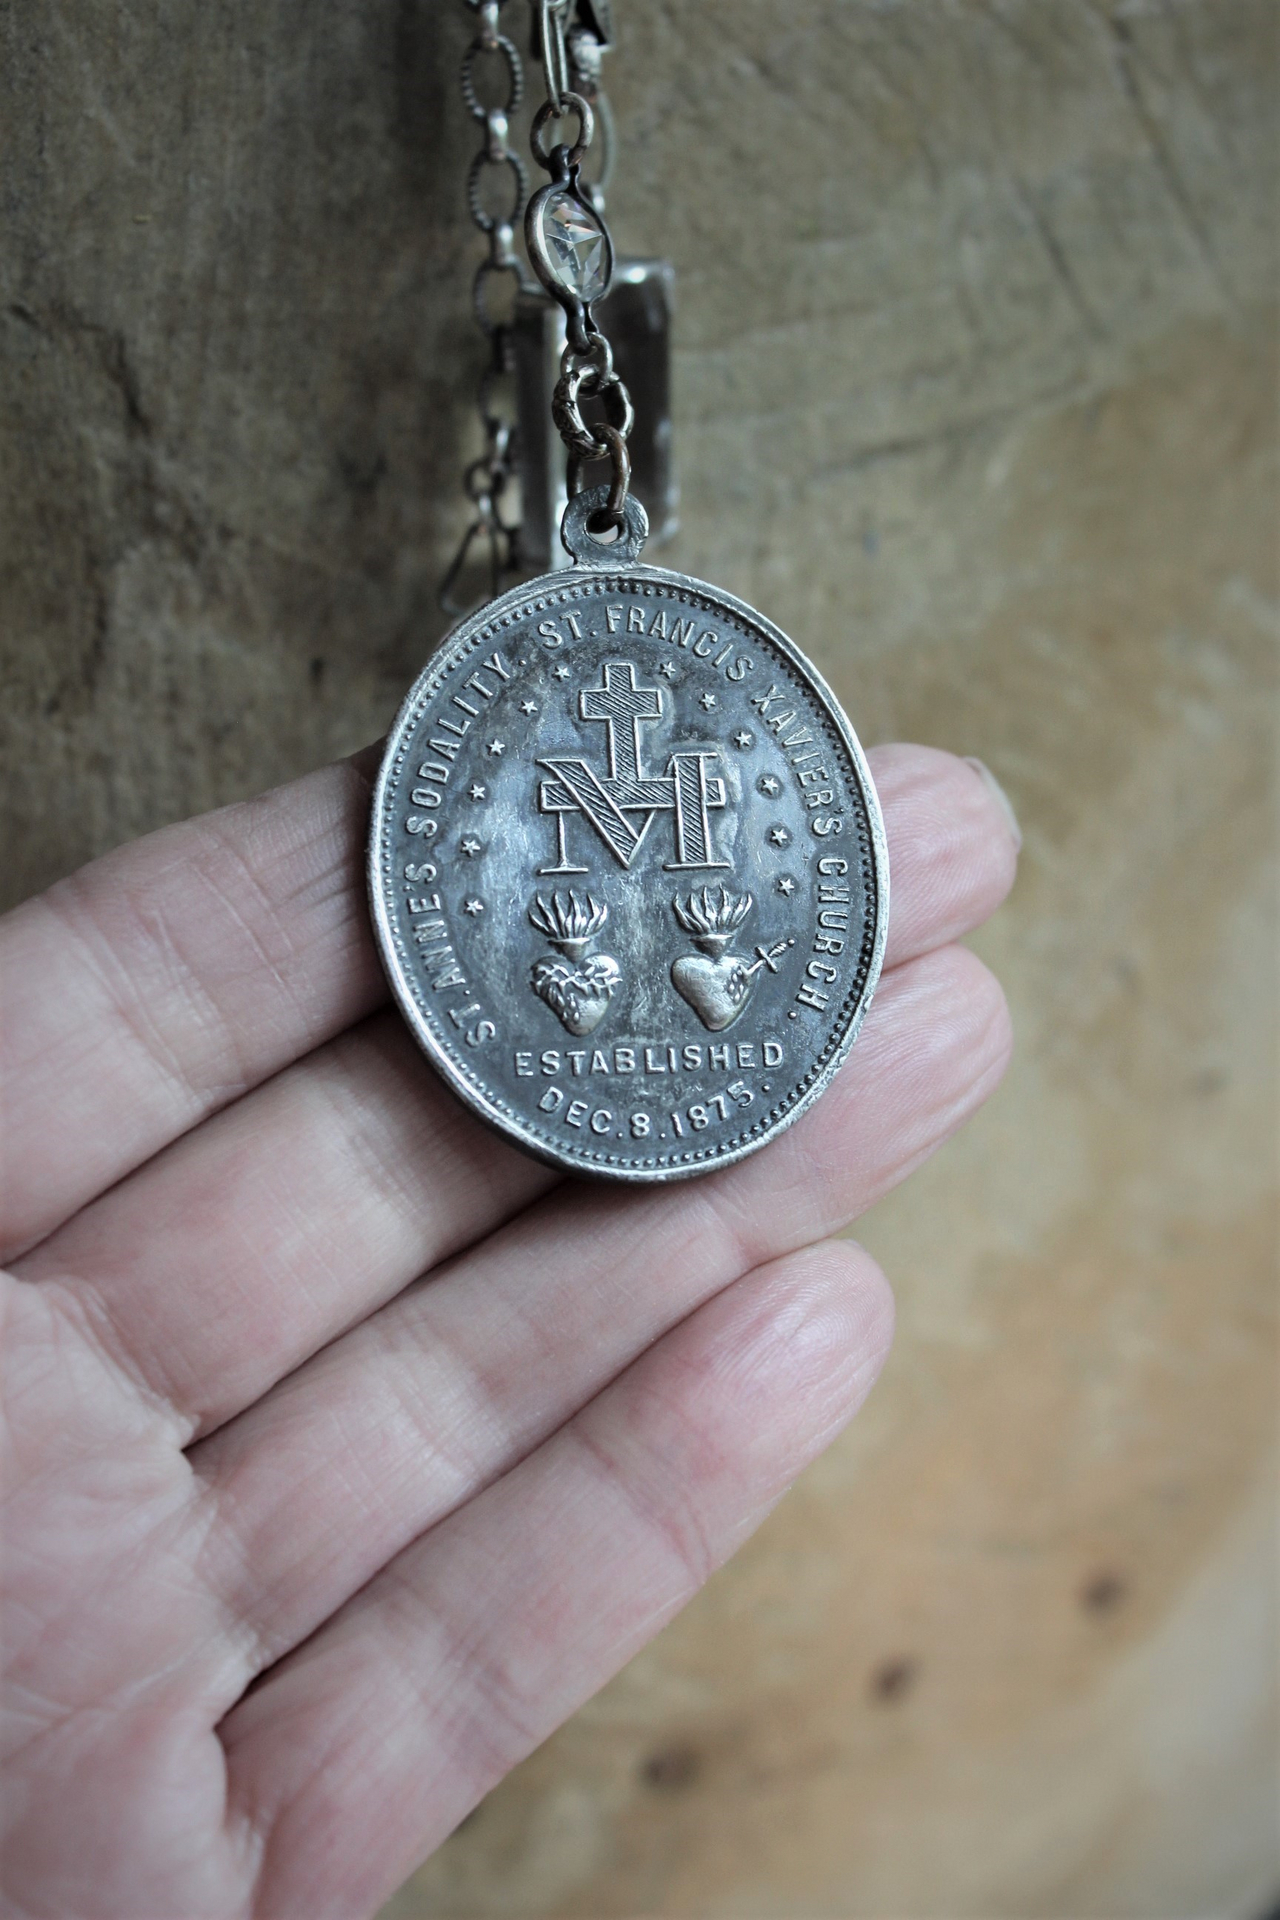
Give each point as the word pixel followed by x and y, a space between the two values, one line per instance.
pixel 628 872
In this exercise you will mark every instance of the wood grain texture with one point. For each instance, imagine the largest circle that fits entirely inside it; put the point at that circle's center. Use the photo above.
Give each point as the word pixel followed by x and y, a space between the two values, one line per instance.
pixel 975 389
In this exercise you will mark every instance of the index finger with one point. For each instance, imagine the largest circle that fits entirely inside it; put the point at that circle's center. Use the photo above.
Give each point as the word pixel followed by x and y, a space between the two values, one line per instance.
pixel 169 977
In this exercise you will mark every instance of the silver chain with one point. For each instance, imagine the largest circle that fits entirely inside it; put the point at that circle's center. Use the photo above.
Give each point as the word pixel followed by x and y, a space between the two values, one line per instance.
pixel 486 480
pixel 571 70
pixel 571 59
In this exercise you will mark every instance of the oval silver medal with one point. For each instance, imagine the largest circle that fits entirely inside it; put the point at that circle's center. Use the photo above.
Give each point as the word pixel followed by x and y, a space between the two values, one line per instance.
pixel 627 868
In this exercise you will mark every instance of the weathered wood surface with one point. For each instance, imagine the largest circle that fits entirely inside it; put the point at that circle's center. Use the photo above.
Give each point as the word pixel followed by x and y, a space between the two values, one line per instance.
pixel 975 395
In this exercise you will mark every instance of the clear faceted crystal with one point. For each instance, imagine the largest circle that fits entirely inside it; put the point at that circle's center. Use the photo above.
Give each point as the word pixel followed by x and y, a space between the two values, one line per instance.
pixel 576 243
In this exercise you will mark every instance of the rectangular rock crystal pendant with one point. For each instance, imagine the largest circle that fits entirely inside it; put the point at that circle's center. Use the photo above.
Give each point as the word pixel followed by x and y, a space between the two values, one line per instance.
pixel 635 318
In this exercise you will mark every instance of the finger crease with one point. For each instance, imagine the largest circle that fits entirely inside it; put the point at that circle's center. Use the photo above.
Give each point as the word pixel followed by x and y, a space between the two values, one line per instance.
pixel 686 1540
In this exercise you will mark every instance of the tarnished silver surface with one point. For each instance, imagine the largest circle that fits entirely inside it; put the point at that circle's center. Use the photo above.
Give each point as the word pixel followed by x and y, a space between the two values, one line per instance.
pixel 628 871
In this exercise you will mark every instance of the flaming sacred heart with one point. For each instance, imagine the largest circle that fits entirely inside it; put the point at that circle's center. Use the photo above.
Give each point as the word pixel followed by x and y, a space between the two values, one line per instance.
pixel 577 990
pixel 717 984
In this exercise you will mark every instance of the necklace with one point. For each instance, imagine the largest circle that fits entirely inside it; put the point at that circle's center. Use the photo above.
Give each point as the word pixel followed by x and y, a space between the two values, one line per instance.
pixel 627 866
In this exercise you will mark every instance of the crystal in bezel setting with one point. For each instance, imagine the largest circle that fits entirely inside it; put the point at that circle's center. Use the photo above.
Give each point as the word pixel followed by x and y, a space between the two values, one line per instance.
pixel 562 227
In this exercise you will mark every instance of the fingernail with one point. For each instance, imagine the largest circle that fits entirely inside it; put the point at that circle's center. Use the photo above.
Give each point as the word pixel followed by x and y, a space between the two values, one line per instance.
pixel 1002 799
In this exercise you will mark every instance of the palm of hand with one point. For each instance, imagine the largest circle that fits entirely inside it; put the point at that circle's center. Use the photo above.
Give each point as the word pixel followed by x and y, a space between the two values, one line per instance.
pixel 311 1381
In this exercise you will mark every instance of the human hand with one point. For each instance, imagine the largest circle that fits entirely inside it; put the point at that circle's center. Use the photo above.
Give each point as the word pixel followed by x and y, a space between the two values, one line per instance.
pixel 347 1449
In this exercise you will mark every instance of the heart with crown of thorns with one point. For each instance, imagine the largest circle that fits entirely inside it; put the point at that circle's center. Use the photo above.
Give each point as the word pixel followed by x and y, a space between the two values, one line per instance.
pixel 577 990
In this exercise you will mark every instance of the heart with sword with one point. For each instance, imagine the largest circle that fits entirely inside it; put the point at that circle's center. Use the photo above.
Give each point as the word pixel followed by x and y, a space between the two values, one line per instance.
pixel 717 982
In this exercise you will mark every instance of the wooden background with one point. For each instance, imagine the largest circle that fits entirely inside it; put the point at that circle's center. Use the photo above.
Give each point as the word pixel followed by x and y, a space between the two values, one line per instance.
pixel 976 387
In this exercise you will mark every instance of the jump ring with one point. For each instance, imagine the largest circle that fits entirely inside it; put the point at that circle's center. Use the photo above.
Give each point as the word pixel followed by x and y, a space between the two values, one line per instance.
pixel 548 111
pixel 597 355
pixel 615 446
pixel 567 413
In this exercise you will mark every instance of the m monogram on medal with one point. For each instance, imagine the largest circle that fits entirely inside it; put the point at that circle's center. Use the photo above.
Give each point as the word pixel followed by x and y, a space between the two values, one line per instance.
pixel 628 872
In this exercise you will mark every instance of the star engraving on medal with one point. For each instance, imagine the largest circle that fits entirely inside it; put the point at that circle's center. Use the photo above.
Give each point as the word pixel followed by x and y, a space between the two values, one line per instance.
pixel 469 845
pixel 769 785
pixel 779 836
pixel 743 739
pixel 561 672
pixel 528 706
pixel 474 906
pixel 786 885
pixel 668 669
pixel 496 747
pixel 706 701
pixel 476 790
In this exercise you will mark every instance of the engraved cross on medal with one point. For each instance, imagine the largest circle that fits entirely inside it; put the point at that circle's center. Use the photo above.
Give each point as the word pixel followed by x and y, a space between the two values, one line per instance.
pixel 621 804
